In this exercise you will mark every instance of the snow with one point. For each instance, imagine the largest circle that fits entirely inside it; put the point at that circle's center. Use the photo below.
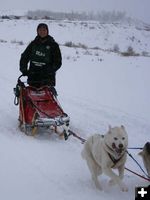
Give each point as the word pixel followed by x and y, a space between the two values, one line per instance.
pixel 96 88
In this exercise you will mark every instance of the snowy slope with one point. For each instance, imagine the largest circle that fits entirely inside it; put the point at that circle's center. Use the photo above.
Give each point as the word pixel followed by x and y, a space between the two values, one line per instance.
pixel 96 88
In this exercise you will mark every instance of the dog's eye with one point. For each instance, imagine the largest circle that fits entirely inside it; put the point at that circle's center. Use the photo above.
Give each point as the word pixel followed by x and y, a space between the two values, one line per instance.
pixel 123 138
pixel 115 138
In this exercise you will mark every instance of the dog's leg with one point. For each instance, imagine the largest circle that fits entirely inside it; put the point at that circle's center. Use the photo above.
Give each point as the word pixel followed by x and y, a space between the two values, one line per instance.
pixel 115 179
pixel 95 171
pixel 123 186
pixel 92 165
pixel 121 171
pixel 121 175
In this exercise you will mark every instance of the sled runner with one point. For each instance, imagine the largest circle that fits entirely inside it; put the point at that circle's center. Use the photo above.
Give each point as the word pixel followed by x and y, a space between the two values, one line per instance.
pixel 39 108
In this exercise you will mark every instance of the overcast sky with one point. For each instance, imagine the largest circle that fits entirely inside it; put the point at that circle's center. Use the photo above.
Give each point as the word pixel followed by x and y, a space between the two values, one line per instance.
pixel 135 8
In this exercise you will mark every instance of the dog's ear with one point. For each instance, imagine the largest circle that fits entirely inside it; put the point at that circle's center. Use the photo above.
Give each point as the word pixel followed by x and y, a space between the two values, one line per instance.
pixel 122 126
pixel 140 153
pixel 147 147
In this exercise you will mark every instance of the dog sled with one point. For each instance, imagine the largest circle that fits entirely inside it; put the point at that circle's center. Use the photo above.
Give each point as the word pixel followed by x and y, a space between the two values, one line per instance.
pixel 39 108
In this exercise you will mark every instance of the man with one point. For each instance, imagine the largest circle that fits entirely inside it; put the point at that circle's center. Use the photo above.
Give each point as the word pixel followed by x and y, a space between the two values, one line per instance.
pixel 44 58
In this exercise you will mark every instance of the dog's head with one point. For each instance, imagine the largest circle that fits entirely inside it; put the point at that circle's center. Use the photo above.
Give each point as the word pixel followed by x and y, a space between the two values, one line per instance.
pixel 117 139
pixel 146 150
pixel 145 153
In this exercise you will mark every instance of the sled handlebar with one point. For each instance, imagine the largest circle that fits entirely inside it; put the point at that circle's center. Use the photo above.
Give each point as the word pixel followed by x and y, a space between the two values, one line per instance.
pixel 42 82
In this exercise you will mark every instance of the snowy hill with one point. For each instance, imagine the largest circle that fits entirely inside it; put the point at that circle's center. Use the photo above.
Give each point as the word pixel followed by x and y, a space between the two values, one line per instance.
pixel 91 34
pixel 97 86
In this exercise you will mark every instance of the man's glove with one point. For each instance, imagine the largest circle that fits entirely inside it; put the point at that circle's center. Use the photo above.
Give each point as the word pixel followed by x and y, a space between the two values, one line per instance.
pixel 53 90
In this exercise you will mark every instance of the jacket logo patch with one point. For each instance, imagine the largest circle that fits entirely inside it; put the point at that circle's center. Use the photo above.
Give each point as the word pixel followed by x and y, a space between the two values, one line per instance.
pixel 38 53
pixel 48 47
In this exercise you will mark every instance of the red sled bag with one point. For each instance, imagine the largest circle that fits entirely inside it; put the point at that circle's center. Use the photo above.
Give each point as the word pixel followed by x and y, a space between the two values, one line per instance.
pixel 39 108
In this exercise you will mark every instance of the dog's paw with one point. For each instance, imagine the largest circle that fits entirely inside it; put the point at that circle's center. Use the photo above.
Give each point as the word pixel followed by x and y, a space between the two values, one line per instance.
pixel 124 188
pixel 98 185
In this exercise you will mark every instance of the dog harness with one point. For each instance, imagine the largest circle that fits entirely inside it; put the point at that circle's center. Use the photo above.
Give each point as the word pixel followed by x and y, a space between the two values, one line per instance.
pixel 114 160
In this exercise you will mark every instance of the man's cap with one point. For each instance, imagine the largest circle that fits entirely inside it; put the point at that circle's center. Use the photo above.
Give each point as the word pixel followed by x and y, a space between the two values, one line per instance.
pixel 42 25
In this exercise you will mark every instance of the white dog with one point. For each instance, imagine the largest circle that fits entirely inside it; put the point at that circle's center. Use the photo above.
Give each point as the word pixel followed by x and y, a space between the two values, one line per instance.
pixel 104 152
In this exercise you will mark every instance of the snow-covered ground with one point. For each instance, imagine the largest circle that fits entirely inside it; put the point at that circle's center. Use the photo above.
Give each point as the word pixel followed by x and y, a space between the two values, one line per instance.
pixel 96 88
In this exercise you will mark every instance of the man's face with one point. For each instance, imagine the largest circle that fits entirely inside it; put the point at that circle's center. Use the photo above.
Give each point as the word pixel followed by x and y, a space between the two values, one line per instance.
pixel 42 32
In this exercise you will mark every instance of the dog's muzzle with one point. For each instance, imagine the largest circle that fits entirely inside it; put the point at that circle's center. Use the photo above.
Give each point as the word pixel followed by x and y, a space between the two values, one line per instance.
pixel 118 149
